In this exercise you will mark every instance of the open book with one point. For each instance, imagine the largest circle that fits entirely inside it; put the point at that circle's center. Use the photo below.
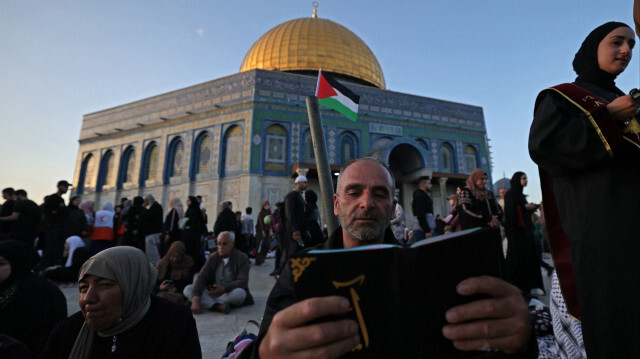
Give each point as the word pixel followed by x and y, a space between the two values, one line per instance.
pixel 399 296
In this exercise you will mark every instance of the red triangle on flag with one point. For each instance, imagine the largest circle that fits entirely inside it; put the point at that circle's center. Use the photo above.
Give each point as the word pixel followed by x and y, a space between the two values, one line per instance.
pixel 325 89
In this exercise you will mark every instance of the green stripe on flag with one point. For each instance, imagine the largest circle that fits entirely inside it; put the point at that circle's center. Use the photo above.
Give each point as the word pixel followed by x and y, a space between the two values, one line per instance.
pixel 333 103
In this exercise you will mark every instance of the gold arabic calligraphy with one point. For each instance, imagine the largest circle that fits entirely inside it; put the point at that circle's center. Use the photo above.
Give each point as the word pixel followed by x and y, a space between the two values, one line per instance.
pixel 356 304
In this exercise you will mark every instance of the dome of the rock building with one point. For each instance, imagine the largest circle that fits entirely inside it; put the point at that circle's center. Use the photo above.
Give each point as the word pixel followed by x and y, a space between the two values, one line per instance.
pixel 307 44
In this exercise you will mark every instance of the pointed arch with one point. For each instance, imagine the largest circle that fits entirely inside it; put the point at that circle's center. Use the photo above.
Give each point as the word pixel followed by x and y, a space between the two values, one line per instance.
pixel 470 158
pixel 201 155
pixel 127 167
pixel 447 158
pixel 233 151
pixel 276 144
pixel 87 170
pixel 308 151
pixel 173 162
pixel 105 173
pixel 348 147
pixel 275 148
pixel 149 168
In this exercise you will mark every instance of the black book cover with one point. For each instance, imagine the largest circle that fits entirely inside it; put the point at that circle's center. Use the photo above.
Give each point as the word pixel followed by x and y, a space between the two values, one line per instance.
pixel 399 296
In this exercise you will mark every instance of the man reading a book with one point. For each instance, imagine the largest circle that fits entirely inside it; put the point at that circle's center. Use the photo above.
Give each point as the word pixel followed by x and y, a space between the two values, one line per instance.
pixel 363 203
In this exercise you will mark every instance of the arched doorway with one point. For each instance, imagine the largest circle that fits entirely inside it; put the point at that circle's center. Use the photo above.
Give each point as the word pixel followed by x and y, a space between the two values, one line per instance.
pixel 404 159
pixel 407 165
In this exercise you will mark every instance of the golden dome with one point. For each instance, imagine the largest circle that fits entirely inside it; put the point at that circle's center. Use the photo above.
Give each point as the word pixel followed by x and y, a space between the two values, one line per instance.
pixel 307 44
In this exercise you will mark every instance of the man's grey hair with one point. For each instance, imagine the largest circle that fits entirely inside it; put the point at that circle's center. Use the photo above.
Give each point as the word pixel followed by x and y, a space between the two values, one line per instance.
pixel 232 236
pixel 368 159
pixel 225 204
pixel 150 198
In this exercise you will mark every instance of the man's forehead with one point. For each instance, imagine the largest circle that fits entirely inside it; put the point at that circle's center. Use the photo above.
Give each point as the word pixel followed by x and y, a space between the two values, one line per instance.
pixel 365 173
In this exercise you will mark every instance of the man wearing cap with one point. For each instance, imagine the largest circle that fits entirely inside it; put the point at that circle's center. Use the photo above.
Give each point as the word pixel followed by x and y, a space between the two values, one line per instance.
pixel 294 222
pixel 55 215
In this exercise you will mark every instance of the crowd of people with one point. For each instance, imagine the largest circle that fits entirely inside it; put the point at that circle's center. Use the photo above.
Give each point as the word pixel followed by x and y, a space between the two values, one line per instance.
pixel 474 205
pixel 50 243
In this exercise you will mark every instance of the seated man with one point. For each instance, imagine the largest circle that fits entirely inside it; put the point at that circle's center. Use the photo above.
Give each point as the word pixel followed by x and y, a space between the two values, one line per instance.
pixel 363 202
pixel 223 282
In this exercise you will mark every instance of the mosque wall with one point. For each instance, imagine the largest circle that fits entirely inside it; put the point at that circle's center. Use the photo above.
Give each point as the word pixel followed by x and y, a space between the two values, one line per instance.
pixel 239 138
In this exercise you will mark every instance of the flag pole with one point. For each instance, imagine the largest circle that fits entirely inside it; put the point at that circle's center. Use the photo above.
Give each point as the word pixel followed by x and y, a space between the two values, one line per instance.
pixel 322 163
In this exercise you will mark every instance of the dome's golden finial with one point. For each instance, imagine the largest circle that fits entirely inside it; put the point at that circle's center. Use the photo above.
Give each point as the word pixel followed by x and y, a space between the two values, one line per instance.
pixel 315 9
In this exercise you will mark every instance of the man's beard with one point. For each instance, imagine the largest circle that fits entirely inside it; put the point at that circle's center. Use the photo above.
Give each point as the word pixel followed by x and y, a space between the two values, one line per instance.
pixel 367 234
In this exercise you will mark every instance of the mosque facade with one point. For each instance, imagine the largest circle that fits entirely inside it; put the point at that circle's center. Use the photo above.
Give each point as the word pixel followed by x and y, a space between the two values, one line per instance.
pixel 245 137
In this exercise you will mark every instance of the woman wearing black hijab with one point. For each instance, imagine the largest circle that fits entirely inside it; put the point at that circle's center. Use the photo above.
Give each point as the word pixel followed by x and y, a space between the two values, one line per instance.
pixel 29 305
pixel 193 231
pixel 523 264
pixel 589 173
pixel 133 233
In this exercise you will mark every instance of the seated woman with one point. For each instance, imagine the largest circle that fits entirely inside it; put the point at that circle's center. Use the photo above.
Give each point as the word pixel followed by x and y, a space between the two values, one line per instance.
pixel 29 305
pixel 75 254
pixel 119 318
pixel 175 271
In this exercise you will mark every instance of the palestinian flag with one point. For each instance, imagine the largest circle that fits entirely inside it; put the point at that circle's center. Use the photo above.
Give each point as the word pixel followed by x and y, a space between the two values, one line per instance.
pixel 332 94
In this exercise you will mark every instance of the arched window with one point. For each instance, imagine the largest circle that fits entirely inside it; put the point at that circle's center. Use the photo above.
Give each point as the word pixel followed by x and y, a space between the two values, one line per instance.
pixel 233 150
pixel 175 152
pixel 470 158
pixel 309 152
pixel 348 147
pixel 275 153
pixel 87 171
pixel 105 174
pixel 202 154
pixel 127 166
pixel 276 144
pixel 446 158
pixel 149 169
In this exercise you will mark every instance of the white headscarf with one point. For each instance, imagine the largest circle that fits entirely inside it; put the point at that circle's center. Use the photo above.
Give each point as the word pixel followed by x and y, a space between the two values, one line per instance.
pixel 74 242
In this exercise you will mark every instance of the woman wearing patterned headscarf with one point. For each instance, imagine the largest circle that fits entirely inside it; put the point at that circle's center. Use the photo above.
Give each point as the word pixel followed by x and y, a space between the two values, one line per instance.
pixel 29 305
pixel 478 206
pixel 584 139
pixel 522 265
pixel 119 317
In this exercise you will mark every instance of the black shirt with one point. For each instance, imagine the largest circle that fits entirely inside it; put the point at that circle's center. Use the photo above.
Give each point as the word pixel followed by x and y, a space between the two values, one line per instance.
pixel 6 210
pixel 55 211
pixel 29 216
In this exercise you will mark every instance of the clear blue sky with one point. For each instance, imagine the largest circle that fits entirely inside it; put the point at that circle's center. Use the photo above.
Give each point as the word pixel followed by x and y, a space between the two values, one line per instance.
pixel 62 59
